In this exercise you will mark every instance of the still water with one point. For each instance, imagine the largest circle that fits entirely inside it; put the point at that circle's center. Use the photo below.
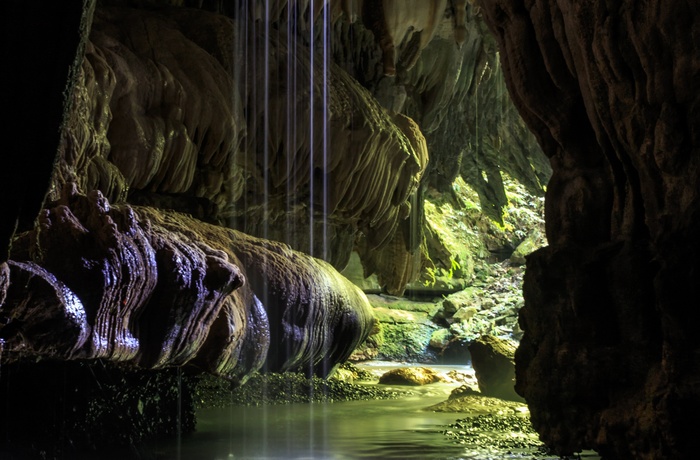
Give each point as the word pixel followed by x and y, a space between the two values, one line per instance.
pixel 378 429
pixel 343 430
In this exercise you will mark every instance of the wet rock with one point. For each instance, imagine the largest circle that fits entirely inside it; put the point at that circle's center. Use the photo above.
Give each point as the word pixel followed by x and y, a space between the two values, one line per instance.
pixel 349 372
pixel 493 362
pixel 493 422
pixel 154 289
pixel 465 390
pixel 457 376
pixel 467 400
pixel 410 376
pixel 497 431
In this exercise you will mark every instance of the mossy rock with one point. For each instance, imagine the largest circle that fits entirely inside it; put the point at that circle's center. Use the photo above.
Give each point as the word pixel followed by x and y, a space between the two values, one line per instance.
pixel 473 403
pixel 533 242
pixel 391 316
pixel 406 342
pixel 410 376
pixel 440 338
pixel 401 303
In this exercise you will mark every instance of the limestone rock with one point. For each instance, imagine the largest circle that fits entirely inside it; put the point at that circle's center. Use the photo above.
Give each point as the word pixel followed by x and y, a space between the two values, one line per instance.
pixel 156 289
pixel 410 376
pixel 532 242
pixel 196 136
pixel 440 338
pixel 467 401
pixel 493 362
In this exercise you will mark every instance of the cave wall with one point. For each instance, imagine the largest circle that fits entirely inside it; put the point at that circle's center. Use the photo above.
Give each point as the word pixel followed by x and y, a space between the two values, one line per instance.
pixel 608 360
pixel 234 125
pixel 228 135
pixel 41 55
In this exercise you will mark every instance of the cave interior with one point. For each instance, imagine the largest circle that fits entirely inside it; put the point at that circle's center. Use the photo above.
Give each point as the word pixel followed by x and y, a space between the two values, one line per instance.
pixel 185 180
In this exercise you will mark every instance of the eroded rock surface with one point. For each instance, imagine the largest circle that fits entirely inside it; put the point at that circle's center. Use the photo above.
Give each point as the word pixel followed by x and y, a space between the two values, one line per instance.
pixel 157 289
pixel 173 111
pixel 608 359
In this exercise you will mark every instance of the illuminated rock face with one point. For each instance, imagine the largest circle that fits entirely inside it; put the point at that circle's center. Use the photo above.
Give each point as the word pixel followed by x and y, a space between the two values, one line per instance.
pixel 609 360
pixel 233 120
pixel 156 289
pixel 174 111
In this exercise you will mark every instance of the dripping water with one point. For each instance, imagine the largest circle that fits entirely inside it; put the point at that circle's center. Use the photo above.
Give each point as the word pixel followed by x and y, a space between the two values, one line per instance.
pixel 266 19
pixel 325 43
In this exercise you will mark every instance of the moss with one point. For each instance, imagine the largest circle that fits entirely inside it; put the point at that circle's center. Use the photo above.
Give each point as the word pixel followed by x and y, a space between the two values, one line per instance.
pixel 283 388
pixel 461 241
pixel 406 342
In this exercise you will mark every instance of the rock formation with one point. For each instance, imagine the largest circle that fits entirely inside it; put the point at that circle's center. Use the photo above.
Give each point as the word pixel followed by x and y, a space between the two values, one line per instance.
pixel 492 359
pixel 160 289
pixel 609 360
pixel 270 118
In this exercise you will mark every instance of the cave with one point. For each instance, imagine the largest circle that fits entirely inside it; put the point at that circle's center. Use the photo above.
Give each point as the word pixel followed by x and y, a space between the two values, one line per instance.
pixel 200 187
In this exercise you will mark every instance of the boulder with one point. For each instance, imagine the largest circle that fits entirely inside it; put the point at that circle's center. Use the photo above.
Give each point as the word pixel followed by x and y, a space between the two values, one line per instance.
pixel 410 376
pixel 494 365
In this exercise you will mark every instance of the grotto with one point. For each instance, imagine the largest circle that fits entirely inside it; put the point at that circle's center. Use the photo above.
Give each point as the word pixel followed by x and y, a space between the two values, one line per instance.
pixel 198 196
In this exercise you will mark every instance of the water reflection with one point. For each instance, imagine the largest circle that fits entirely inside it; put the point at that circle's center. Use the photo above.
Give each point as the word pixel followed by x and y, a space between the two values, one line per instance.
pixel 381 429
pixel 377 429
pixel 341 430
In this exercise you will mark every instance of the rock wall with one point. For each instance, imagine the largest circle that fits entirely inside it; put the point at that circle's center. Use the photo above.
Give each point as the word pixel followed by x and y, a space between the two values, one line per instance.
pixel 42 81
pixel 255 118
pixel 197 112
pixel 608 360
